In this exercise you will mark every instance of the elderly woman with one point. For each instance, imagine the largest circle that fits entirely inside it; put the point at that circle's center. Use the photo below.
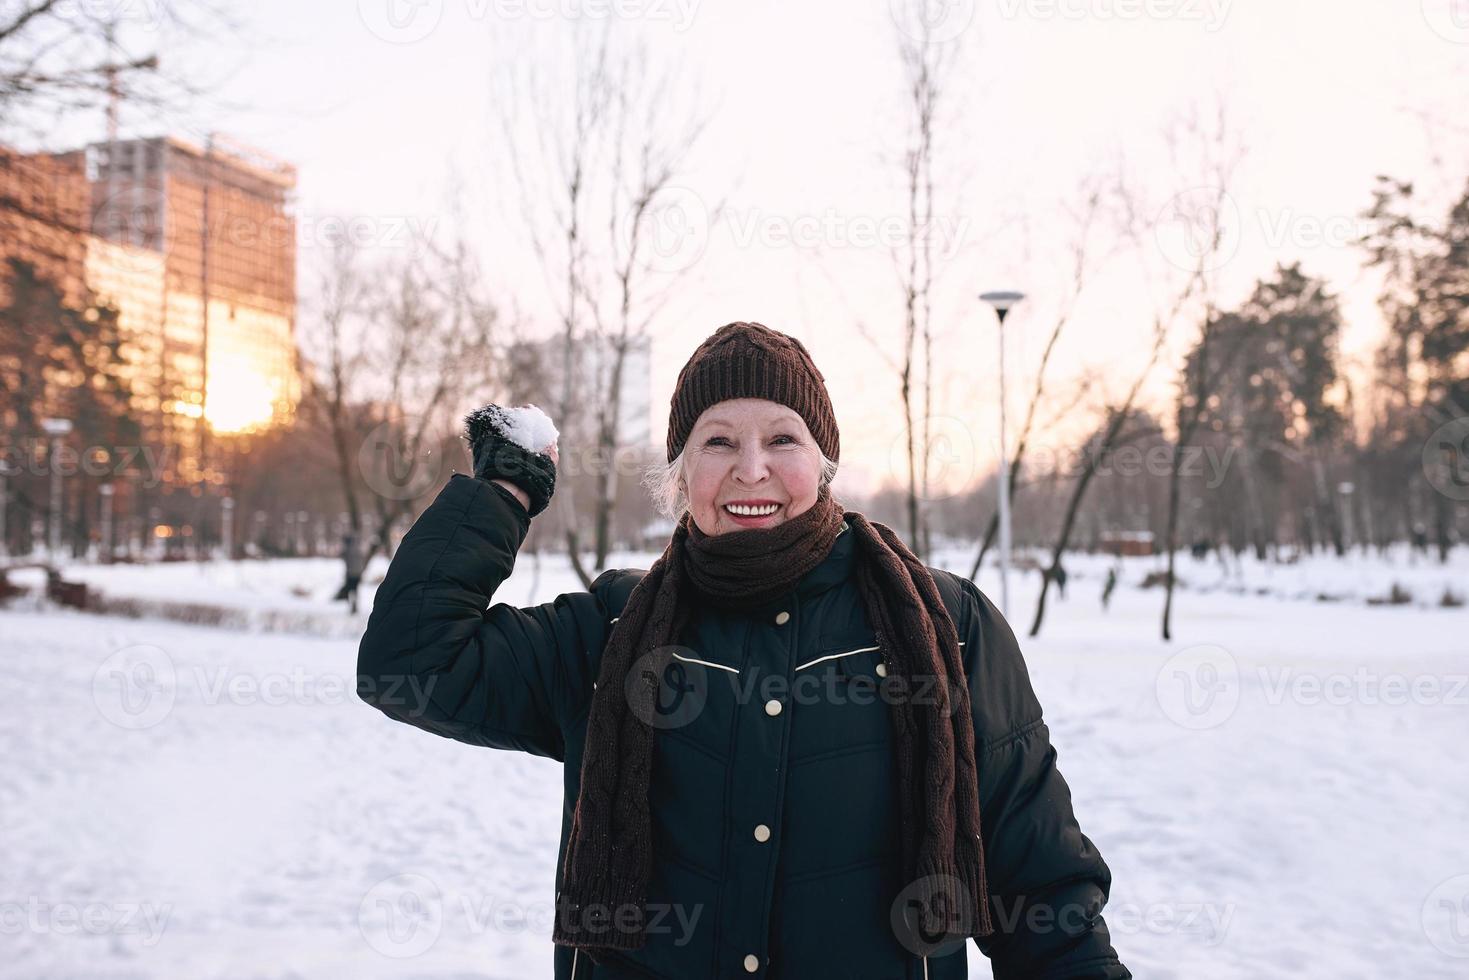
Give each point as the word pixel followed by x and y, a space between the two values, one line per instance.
pixel 791 750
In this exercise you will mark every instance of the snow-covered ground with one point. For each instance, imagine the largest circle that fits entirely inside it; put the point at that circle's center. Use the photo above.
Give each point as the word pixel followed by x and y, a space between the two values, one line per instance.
pixel 1282 791
pixel 294 595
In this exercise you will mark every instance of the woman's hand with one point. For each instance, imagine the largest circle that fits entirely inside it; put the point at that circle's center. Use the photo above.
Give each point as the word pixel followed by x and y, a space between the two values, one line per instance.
pixel 520 494
pixel 516 448
pixel 515 492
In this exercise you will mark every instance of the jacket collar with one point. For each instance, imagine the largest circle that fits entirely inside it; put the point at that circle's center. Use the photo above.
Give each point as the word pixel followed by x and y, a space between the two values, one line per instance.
pixel 832 571
pixel 834 568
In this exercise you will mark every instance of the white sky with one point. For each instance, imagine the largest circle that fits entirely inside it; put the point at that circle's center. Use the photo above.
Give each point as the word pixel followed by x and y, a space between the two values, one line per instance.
pixel 805 103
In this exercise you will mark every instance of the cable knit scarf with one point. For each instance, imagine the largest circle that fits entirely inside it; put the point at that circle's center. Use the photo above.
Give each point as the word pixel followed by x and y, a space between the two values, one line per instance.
pixel 600 904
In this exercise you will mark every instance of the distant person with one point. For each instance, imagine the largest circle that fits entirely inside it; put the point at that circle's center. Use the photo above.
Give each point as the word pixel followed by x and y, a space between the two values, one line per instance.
pixel 354 562
pixel 1107 588
pixel 1201 548
pixel 1060 576
pixel 1420 537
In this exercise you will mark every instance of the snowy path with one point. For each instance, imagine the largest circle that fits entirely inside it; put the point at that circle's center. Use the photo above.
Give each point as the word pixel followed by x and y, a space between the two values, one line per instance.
pixel 253 819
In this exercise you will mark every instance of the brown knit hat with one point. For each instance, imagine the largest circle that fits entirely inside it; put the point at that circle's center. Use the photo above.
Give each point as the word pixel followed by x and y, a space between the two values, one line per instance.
pixel 749 360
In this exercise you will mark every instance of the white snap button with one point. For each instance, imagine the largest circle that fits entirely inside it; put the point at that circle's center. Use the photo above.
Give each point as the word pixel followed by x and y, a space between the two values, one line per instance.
pixel 751 963
pixel 782 617
pixel 882 670
pixel 762 833
pixel 772 707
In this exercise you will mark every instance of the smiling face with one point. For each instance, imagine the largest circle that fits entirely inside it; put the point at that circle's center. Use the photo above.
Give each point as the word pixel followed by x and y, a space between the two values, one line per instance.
pixel 752 452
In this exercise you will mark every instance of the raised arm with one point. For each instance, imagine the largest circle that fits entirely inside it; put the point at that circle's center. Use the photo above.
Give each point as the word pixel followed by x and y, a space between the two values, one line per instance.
pixel 1047 881
pixel 435 657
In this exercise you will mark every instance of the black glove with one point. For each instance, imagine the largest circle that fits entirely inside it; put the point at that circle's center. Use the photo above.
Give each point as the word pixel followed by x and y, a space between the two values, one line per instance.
pixel 497 456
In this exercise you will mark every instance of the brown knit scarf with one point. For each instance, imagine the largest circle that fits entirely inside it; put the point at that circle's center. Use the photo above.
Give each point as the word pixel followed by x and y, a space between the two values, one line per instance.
pixel 608 857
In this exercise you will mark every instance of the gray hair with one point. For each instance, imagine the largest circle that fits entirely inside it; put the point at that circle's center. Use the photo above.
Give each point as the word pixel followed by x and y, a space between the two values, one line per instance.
pixel 661 482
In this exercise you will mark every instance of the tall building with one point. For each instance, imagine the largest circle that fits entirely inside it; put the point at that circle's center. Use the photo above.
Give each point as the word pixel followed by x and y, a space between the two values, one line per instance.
pixel 196 248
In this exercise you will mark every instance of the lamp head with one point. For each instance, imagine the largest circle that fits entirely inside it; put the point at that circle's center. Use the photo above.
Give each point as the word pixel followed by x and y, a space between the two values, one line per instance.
pixel 1002 300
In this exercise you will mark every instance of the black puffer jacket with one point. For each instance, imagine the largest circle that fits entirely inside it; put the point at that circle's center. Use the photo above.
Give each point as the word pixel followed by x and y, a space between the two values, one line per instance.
pixel 773 792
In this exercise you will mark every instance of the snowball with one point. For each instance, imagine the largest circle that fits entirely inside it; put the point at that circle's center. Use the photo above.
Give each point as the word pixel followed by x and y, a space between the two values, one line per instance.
pixel 529 428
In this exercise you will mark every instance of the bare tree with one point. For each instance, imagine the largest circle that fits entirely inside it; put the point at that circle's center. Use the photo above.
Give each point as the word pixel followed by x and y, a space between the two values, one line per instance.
pixel 395 352
pixel 59 56
pixel 646 160
pixel 1221 155
pixel 438 349
pixel 1200 378
pixel 597 177
pixel 926 63
pixel 552 150
pixel 1208 151
pixel 1113 435
pixel 335 380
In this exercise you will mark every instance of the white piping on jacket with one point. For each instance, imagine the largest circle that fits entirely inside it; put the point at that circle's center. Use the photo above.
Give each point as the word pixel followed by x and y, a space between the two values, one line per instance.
pixel 706 663
pixel 732 670
pixel 830 656
pixel 848 653
pixel 577 952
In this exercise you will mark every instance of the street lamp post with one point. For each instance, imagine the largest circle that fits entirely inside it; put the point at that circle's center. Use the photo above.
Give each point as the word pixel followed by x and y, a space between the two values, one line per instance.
pixel 56 429
pixel 4 503
pixel 1002 302
pixel 155 525
pixel 105 490
pixel 1349 531
pixel 227 526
